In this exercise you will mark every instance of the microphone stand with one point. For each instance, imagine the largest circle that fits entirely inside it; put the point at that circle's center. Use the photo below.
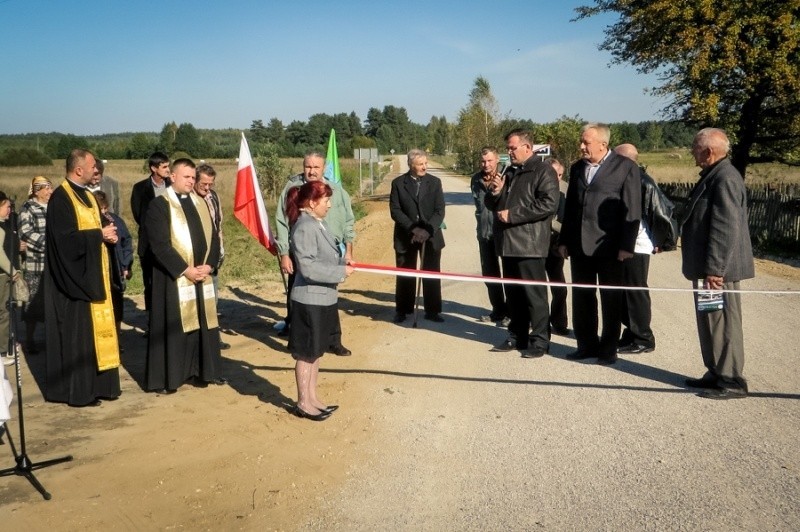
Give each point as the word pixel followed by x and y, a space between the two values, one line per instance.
pixel 24 466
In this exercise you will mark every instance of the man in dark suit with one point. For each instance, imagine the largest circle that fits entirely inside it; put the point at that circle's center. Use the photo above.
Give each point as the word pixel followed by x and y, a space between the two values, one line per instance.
pixel 601 221
pixel 143 193
pixel 524 202
pixel 204 188
pixel 416 203
pixel 108 185
pixel 717 254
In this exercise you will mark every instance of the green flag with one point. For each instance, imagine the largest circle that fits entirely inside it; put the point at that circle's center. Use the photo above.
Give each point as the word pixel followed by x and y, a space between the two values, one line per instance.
pixel 332 172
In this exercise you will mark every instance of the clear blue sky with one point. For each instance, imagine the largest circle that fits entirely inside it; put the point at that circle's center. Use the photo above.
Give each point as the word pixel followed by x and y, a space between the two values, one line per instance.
pixel 94 67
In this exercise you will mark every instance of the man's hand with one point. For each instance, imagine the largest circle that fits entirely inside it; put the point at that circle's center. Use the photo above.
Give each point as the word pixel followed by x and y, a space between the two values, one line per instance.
pixel 197 274
pixel 496 184
pixel 286 264
pixel 110 234
pixel 503 216
pixel 563 251
pixel 419 235
pixel 714 282
pixel 624 255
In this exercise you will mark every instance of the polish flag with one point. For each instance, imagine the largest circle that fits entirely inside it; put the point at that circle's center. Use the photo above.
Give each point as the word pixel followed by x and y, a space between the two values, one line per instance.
pixel 248 203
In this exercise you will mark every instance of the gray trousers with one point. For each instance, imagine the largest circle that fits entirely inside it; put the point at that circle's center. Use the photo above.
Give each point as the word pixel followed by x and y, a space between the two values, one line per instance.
pixel 722 340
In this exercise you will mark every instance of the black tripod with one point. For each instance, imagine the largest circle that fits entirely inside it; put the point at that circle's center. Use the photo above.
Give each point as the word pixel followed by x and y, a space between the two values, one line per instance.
pixel 24 467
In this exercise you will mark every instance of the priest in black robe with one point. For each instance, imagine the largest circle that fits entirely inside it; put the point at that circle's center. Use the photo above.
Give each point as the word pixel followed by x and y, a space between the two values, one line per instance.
pixel 82 357
pixel 184 338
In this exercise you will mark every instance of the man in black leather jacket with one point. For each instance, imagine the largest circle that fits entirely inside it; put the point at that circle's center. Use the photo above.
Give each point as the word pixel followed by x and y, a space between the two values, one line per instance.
pixel 658 232
pixel 524 201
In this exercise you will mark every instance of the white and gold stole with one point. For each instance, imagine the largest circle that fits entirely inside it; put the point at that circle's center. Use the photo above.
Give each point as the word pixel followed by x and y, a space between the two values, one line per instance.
pixel 181 240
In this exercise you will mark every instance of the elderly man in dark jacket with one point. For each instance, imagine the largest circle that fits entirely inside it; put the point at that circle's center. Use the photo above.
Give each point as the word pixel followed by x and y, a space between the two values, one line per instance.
pixel 416 204
pixel 601 221
pixel 717 254
pixel 524 201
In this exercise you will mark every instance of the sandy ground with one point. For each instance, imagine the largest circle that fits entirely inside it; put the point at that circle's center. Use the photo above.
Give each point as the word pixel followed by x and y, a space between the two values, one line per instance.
pixel 434 431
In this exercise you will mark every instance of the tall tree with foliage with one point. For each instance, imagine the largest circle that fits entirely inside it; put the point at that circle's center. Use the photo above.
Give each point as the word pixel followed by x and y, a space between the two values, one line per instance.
pixel 733 64
pixel 477 124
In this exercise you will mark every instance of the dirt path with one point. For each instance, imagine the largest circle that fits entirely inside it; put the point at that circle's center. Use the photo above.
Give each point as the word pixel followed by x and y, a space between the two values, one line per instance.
pixel 434 432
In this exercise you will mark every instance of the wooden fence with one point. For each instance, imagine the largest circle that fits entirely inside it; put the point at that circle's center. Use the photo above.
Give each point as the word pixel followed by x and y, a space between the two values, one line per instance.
pixel 773 213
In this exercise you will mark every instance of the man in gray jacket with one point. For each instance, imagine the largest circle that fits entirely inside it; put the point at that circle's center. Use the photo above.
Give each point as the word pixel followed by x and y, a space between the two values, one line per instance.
pixel 524 201
pixel 717 254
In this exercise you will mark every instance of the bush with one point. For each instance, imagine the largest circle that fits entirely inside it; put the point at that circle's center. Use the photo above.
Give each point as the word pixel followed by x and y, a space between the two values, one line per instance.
pixel 24 157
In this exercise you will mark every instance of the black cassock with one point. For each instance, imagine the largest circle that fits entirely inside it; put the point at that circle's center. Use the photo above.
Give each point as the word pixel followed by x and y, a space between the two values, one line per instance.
pixel 72 280
pixel 172 355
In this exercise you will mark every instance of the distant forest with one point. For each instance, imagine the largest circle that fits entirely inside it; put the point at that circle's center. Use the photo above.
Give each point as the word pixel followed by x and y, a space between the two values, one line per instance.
pixel 386 129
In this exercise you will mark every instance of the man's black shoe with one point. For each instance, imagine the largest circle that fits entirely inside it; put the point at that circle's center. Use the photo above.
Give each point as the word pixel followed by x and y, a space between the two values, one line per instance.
pixel 434 317
pixel 504 347
pixel 607 360
pixel 533 352
pixel 723 393
pixel 224 345
pixel 284 331
pixel 399 317
pixel 340 351
pixel 580 354
pixel 561 331
pixel 705 382
pixel 635 349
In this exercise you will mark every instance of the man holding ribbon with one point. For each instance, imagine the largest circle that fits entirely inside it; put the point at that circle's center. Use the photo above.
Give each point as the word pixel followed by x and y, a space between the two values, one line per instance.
pixel 82 348
pixel 184 333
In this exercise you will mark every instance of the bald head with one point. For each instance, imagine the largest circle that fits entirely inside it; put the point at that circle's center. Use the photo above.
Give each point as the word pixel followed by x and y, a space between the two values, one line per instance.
pixel 629 151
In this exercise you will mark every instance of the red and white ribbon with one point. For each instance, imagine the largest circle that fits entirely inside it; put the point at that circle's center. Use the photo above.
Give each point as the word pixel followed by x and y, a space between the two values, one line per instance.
pixel 448 276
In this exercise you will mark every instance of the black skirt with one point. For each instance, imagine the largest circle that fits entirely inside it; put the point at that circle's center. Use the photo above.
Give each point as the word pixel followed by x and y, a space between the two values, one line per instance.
pixel 314 329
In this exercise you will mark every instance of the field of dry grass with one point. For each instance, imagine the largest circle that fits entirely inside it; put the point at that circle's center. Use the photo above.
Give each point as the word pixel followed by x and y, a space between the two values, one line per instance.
pixel 244 260
pixel 677 166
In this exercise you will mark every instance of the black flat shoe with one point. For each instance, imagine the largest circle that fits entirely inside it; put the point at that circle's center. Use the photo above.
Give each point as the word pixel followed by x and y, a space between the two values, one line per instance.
pixel 580 354
pixel 436 318
pixel 340 351
pixel 331 409
pixel 710 384
pixel 504 347
pixel 322 416
pixel 165 391
pixel 96 402
pixel 635 349
pixel 220 381
pixel 607 361
pixel 723 393
pixel 399 317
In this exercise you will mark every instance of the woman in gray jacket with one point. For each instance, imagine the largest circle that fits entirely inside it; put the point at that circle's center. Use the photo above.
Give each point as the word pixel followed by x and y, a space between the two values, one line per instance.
pixel 314 309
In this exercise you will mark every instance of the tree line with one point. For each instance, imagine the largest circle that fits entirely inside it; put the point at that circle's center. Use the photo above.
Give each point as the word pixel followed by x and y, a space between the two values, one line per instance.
pixel 385 129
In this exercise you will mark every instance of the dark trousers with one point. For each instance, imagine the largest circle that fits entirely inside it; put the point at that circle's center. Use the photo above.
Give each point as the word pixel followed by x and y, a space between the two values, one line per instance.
pixel 405 287
pixel 527 304
pixel 146 261
pixel 596 270
pixel 636 313
pixel 490 267
pixel 554 265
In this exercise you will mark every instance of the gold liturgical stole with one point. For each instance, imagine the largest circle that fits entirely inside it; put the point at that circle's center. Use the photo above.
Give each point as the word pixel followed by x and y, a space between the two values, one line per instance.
pixel 181 240
pixel 104 326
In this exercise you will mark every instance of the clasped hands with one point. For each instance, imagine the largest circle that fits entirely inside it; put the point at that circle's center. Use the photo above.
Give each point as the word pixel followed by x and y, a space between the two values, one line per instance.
pixel 110 234
pixel 419 235
pixel 197 274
